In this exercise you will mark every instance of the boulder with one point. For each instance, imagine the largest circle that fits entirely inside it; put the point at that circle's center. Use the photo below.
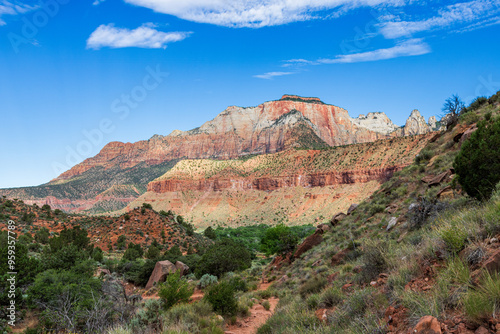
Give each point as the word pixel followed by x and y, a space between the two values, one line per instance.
pixel 337 218
pixel 428 325
pixel 324 227
pixel 492 264
pixel 392 223
pixel 339 257
pixel 466 135
pixel 352 208
pixel 445 193
pixel 427 178
pixel 102 272
pixel 309 242
pixel 160 273
pixel 182 267
pixel 482 330
pixel 440 178
pixel 322 314
pixel 391 208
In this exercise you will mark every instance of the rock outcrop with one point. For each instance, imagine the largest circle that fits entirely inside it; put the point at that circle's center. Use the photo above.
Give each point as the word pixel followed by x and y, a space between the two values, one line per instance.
pixel 183 268
pixel 428 325
pixel 160 273
pixel 309 242
pixel 416 125
pixel 274 183
pixel 376 121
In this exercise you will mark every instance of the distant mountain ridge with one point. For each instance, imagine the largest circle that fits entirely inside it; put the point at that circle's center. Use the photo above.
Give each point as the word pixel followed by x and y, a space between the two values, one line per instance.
pixel 271 127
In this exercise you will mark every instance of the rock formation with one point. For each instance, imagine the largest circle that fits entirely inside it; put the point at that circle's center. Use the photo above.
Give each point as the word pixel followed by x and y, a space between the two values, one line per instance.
pixel 119 173
pixel 415 124
pixel 160 273
pixel 239 131
pixel 377 122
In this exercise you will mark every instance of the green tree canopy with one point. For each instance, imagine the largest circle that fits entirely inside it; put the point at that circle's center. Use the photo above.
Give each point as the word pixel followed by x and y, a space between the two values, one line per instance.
pixel 279 240
pixel 224 256
pixel 478 162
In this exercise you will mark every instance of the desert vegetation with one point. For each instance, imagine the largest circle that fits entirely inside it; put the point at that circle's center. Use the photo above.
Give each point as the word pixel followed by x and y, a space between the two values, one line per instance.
pixel 425 245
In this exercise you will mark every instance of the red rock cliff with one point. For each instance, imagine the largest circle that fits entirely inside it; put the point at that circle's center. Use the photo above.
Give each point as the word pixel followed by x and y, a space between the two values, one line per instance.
pixel 235 132
pixel 274 183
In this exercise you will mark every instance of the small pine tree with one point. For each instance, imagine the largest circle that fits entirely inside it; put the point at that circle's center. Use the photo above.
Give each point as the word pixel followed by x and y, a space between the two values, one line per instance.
pixel 175 290
pixel 478 162
pixel 210 233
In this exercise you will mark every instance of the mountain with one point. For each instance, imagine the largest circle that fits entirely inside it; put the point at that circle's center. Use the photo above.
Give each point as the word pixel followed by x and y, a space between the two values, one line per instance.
pixel 120 172
pixel 294 186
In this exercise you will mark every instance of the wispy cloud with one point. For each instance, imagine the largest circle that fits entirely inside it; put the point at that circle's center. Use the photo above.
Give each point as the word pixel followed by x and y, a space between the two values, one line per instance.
pixel 143 37
pixel 98 2
pixel 271 75
pixel 9 8
pixel 256 13
pixel 466 12
pixel 412 47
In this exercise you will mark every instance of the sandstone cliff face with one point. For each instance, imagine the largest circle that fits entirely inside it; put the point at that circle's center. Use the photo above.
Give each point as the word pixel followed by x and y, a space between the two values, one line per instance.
pixel 241 131
pixel 271 127
pixel 376 121
pixel 298 184
pixel 276 182
pixel 415 124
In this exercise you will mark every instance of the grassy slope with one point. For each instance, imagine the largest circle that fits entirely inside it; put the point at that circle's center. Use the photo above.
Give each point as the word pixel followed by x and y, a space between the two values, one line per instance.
pixel 432 268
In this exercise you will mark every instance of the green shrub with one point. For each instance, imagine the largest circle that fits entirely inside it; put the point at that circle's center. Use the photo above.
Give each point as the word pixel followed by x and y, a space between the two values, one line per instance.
pixel 478 162
pixel 147 318
pixel 210 233
pixel 42 236
pixel 484 302
pixel 454 237
pixel 313 285
pixel 207 280
pixel 196 317
pixel 175 290
pixel 279 239
pixel 313 301
pixel 221 297
pixel 476 104
pixel 97 254
pixel 121 242
pixel 373 261
pixel 266 305
pixel 238 284
pixel 424 155
pixel 152 253
pixel 133 252
pixel 224 256
pixel 331 297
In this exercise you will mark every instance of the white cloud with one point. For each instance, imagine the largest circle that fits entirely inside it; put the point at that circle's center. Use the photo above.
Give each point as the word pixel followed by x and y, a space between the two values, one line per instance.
pixel 143 37
pixel 97 2
pixel 9 8
pixel 271 75
pixel 297 62
pixel 254 13
pixel 460 13
pixel 412 47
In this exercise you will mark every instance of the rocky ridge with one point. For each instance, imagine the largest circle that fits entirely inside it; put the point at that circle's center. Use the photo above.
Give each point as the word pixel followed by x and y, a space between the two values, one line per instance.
pixel 271 127
pixel 296 186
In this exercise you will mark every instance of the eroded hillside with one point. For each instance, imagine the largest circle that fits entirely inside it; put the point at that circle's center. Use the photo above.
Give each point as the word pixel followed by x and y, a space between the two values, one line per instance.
pixel 295 186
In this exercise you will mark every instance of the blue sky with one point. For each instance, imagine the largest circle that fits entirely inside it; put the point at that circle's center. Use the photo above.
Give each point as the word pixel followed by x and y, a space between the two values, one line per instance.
pixel 75 75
